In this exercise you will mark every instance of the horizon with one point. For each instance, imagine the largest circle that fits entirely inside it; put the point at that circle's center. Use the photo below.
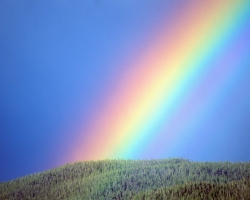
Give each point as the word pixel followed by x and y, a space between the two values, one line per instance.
pixel 123 159
pixel 117 159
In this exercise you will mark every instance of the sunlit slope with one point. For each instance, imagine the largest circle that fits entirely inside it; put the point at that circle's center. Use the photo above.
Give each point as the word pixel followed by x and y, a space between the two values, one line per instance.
pixel 125 179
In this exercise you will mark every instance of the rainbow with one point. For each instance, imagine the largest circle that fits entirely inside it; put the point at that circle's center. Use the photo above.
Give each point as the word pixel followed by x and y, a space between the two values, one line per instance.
pixel 172 87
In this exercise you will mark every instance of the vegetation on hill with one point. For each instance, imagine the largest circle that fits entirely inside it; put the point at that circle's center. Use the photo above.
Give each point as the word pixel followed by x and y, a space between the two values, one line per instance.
pixel 134 179
pixel 232 190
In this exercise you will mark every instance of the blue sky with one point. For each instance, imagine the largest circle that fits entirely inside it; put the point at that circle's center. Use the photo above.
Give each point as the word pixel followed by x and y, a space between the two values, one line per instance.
pixel 58 59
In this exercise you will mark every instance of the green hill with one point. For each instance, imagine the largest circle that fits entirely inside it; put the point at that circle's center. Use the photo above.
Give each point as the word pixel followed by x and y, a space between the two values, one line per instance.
pixel 134 179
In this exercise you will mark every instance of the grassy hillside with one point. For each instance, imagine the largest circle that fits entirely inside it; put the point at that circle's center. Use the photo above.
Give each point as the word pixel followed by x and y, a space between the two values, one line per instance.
pixel 134 179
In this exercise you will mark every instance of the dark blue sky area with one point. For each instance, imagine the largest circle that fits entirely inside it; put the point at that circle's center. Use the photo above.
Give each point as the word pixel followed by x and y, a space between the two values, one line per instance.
pixel 57 60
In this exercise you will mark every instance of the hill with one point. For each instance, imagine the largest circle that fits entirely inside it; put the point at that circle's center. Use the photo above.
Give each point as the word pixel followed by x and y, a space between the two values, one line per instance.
pixel 134 179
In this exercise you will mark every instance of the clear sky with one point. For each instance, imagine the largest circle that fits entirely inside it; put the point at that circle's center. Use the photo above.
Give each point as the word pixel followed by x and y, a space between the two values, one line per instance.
pixel 86 80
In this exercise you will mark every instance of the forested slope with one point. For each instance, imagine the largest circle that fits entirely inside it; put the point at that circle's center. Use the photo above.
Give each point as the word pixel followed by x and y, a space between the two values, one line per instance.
pixel 131 179
pixel 233 190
